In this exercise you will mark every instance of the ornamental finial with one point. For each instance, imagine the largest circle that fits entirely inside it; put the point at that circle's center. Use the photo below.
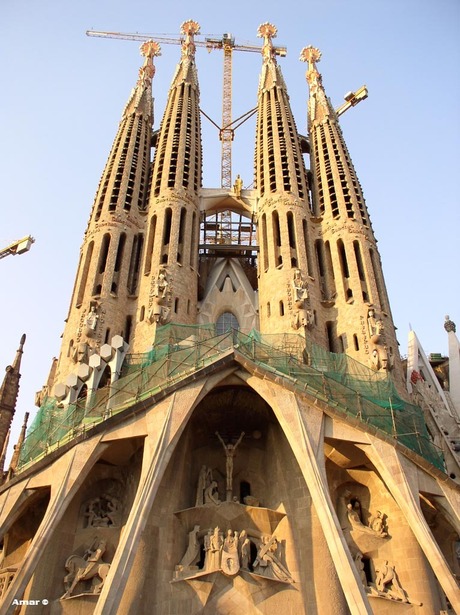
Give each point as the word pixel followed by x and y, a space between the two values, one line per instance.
pixel 310 54
pixel 449 325
pixel 189 28
pixel 267 31
pixel 149 50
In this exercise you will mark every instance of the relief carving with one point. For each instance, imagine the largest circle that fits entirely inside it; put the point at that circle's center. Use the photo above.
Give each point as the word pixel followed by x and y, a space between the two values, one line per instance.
pixel 88 572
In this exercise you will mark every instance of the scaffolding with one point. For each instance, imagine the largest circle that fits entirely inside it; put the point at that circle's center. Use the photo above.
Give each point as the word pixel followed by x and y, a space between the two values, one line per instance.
pixel 181 351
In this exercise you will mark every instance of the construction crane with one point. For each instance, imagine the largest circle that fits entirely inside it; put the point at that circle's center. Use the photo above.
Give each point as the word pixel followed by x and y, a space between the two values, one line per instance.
pixel 228 45
pixel 352 99
pixel 18 247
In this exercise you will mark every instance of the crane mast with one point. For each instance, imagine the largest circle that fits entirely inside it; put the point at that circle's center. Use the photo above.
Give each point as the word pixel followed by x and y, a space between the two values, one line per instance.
pixel 227 44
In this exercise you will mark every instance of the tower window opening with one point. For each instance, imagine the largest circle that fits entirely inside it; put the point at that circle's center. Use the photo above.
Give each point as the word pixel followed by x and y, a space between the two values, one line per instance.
pixel 135 263
pixel 180 240
pixel 104 253
pixel 128 328
pixel 264 246
pixel 268 309
pixel 107 336
pixel 355 342
pixel 359 261
pixel 291 233
pixel 378 280
pixel 150 245
pixel 193 249
pixel 176 305
pixel 121 246
pixel 167 226
pixel 84 274
pixel 281 308
pixel 277 238
pixel 142 313
pixel 331 337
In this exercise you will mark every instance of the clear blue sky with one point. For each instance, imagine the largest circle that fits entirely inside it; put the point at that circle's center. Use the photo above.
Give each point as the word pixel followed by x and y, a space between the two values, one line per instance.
pixel 62 97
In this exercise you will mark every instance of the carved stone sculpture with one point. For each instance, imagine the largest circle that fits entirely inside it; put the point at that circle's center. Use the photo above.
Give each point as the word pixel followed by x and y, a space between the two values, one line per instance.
pixel 230 452
pixel 387 582
pixel 90 567
pixel 357 524
pixel 211 494
pixel 230 554
pixel 102 511
pixel 267 563
pixel 192 555
pixel 377 523
pixel 91 320
pixel 230 563
pixel 204 481
pixel 300 290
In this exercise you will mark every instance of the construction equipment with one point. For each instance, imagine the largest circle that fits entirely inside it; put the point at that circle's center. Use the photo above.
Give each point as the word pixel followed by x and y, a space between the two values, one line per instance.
pixel 18 247
pixel 228 45
pixel 352 99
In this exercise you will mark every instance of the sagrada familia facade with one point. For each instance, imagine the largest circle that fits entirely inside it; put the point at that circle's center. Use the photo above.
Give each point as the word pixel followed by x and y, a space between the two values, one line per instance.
pixel 229 426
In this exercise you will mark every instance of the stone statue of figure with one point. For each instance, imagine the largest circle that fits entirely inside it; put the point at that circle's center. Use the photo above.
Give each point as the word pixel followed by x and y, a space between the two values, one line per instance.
pixel 230 452
pixel 245 550
pixel 386 576
pixel 91 320
pixel 360 566
pixel 238 186
pixel 300 288
pixel 267 563
pixel 357 524
pixel 211 494
pixel 192 555
pixel 377 522
pixel 204 480
pixel 161 285
pixel 216 544
pixel 86 568
pixel 375 326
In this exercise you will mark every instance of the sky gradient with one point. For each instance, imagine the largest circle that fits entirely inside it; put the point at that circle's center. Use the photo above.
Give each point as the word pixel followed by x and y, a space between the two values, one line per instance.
pixel 62 98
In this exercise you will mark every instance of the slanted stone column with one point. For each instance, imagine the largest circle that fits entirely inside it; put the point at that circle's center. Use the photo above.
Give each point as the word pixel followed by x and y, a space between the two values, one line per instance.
pixel 401 480
pixel 305 435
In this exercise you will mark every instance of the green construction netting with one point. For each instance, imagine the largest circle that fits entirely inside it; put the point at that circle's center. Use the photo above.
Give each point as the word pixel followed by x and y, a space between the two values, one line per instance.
pixel 181 350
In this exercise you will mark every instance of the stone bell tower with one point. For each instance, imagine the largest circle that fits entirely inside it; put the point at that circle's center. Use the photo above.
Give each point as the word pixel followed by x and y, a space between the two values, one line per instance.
pixel 286 270
pixel 355 312
pixel 168 287
pixel 103 304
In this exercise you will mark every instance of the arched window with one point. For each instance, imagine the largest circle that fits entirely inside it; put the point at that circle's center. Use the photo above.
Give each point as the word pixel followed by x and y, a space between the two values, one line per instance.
pixel 226 322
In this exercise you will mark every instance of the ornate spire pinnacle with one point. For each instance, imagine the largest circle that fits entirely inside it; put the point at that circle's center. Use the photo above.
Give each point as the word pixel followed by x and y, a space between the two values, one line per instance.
pixel 189 28
pixel 17 448
pixel 149 49
pixel 267 31
pixel 311 55
pixel 9 390
pixel 449 325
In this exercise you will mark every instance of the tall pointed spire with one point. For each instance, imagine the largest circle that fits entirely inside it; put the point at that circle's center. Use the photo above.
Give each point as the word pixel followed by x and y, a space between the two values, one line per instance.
pixel 168 290
pixel 284 208
pixel 9 391
pixel 103 302
pixel 356 313
pixel 17 447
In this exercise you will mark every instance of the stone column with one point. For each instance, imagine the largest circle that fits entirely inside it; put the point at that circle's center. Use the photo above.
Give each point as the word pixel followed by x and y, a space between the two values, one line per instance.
pixel 72 468
pixel 305 435
pixel 401 480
